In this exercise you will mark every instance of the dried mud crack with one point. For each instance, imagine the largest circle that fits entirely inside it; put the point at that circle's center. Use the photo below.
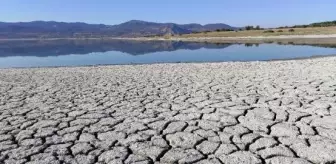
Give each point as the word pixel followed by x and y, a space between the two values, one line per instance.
pixel 255 112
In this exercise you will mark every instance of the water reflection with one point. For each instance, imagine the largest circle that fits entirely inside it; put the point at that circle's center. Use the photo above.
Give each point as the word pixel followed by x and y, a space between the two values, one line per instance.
pixel 68 47
pixel 251 44
pixel 101 52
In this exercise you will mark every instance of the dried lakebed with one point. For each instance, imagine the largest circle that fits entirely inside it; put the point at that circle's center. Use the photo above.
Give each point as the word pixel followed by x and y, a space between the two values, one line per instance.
pixel 253 112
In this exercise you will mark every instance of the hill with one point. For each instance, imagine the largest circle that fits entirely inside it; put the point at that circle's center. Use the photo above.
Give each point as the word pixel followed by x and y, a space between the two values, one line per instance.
pixel 133 28
pixel 318 24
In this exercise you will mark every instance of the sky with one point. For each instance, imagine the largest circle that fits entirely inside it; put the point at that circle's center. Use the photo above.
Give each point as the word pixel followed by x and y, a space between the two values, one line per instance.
pixel 266 13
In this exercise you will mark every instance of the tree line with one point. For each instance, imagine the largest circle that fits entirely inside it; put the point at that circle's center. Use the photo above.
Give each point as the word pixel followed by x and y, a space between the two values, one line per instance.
pixel 319 24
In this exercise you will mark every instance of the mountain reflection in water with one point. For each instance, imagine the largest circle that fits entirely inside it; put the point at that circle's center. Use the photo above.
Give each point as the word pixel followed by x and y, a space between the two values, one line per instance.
pixel 67 47
pixel 49 48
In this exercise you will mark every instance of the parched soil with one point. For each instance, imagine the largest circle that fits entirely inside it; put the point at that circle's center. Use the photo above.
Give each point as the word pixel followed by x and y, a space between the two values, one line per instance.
pixel 236 112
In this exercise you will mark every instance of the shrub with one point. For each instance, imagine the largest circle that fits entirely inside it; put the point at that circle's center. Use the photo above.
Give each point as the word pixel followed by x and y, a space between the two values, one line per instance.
pixel 268 31
pixel 291 30
pixel 249 28
pixel 258 27
pixel 226 29
pixel 280 31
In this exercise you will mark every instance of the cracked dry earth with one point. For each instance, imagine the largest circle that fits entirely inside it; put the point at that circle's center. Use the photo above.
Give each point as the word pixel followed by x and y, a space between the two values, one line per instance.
pixel 254 112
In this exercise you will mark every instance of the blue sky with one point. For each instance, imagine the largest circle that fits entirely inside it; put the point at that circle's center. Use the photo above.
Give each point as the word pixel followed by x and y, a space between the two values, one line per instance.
pixel 267 13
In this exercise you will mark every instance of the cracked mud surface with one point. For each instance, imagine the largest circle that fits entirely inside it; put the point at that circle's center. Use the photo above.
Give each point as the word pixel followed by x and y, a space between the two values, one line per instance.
pixel 256 112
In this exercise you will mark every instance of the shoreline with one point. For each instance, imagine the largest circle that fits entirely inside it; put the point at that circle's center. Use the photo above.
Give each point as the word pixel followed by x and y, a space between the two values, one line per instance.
pixel 288 39
pixel 169 63
pixel 284 39
pixel 322 36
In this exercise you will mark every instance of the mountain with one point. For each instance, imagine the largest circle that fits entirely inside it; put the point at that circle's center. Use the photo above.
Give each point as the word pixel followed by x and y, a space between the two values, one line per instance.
pixel 133 28
pixel 141 28
pixel 208 27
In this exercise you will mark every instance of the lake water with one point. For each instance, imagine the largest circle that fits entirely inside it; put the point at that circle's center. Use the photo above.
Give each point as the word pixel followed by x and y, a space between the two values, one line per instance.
pixel 93 52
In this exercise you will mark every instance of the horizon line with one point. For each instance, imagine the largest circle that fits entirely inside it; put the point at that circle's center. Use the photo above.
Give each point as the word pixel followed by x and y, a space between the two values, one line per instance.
pixel 143 21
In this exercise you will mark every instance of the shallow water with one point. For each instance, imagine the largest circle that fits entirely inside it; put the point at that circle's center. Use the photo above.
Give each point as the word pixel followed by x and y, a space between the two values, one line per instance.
pixel 92 52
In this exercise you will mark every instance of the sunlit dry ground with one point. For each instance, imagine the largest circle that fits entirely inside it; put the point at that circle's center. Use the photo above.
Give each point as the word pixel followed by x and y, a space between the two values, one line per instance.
pixel 252 112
